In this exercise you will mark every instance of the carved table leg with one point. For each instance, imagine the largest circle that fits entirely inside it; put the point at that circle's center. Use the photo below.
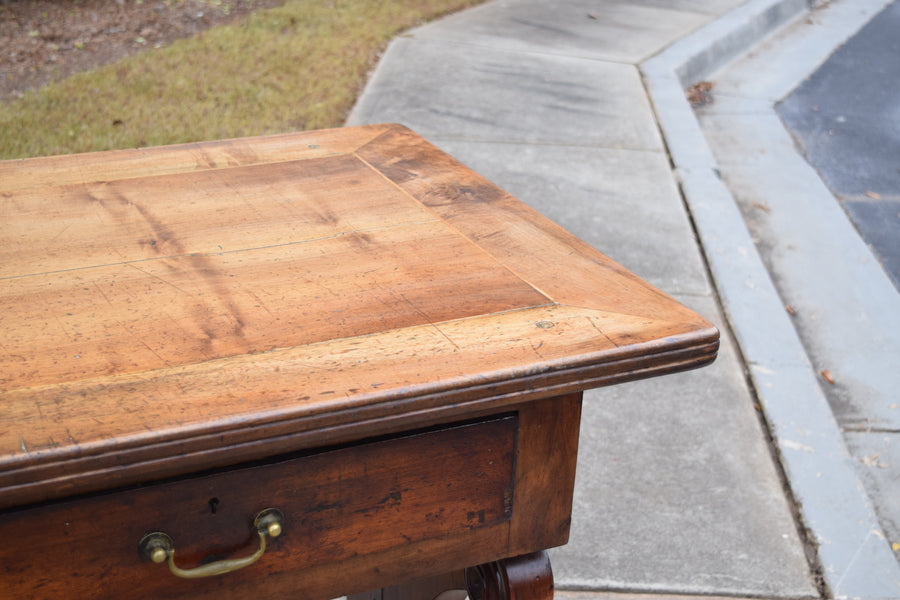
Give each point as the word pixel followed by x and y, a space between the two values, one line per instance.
pixel 526 577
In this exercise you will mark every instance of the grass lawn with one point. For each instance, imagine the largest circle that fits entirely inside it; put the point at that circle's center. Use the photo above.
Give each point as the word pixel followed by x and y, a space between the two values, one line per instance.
pixel 299 66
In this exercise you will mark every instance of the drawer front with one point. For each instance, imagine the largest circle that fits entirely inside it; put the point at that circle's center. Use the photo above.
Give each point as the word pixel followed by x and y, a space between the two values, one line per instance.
pixel 339 505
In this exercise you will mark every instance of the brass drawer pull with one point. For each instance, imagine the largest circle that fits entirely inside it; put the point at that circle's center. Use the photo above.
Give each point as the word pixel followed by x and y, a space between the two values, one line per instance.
pixel 158 547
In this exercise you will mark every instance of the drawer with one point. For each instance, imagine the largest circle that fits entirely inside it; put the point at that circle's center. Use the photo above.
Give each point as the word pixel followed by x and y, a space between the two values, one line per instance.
pixel 340 507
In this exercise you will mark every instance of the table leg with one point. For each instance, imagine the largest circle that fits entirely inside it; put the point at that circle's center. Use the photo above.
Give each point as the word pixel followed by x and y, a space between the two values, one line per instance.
pixel 526 577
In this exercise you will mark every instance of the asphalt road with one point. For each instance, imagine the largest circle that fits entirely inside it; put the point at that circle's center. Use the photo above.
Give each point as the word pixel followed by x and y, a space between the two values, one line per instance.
pixel 846 118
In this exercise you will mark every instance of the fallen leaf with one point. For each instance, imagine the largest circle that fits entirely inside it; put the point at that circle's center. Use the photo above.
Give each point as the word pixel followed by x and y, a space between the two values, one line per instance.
pixel 827 376
pixel 872 461
pixel 699 93
pixel 895 547
pixel 790 309
pixel 873 195
pixel 763 206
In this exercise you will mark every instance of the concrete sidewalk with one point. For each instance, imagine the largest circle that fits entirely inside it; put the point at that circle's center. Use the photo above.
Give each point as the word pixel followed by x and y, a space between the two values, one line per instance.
pixel 687 484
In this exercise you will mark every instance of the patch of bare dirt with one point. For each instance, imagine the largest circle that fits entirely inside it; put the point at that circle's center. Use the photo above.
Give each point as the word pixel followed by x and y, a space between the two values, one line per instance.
pixel 47 40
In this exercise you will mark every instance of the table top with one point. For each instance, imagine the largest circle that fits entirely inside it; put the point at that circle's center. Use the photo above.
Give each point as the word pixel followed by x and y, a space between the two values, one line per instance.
pixel 166 309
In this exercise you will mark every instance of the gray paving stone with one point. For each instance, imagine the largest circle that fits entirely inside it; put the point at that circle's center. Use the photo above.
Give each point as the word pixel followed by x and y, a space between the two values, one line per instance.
pixel 847 310
pixel 839 514
pixel 878 463
pixel 676 491
pixel 807 41
pixel 723 40
pixel 443 89
pixel 623 202
pixel 613 30
pixel 857 561
pixel 709 7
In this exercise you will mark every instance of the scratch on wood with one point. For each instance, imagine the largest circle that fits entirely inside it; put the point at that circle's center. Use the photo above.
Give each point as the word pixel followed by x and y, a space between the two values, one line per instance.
pixel 132 265
pixel 426 317
pixel 126 262
pixel 154 352
pixel 105 297
pixel 600 331
pixel 262 304
pixel 62 231
pixel 447 337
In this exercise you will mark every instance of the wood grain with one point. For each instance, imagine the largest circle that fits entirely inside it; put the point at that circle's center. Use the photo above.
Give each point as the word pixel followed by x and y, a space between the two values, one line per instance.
pixel 143 316
pixel 566 269
pixel 354 502
pixel 23 174
pixel 171 309
pixel 527 577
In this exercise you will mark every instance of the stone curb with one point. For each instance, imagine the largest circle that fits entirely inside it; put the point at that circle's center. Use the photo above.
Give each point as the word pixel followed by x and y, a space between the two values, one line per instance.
pixel 855 558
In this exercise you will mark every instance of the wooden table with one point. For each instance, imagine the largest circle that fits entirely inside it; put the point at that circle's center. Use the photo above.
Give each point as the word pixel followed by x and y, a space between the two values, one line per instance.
pixel 346 326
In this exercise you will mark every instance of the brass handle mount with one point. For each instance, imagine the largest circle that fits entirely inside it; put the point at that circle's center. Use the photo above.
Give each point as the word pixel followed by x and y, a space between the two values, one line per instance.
pixel 158 547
